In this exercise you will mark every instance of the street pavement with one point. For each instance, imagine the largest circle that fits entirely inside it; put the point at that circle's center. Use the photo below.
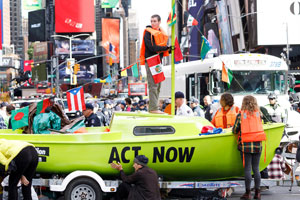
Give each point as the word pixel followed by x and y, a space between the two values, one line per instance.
pixel 274 193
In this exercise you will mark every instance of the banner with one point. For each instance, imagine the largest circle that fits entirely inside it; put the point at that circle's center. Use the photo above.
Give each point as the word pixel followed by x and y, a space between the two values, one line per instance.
pixel 111 38
pixel 79 47
pixel 74 16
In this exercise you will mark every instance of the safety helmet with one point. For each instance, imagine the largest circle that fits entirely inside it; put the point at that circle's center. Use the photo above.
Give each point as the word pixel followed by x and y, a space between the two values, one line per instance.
pixel 272 96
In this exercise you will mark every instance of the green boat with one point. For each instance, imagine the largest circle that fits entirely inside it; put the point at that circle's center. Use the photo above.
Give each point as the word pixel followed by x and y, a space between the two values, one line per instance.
pixel 172 144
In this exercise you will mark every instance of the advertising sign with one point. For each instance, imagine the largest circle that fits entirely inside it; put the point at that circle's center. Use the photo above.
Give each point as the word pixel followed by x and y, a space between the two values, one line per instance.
pixel 87 71
pixel 36 25
pixel 7 62
pixel 40 51
pixel 84 47
pixel 74 16
pixel 195 37
pixel 39 72
pixel 278 22
pixel 111 38
pixel 137 89
pixel 30 5
pixel 224 28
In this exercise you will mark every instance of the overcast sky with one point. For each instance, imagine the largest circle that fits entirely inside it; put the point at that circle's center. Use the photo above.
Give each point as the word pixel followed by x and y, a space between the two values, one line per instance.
pixel 146 8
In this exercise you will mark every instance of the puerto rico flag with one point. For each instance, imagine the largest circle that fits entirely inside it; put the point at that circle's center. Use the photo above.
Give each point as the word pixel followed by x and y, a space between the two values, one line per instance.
pixel 75 99
pixel 156 68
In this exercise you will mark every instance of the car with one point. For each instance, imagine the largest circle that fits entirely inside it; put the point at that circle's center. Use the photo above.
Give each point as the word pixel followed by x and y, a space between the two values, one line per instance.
pixel 70 114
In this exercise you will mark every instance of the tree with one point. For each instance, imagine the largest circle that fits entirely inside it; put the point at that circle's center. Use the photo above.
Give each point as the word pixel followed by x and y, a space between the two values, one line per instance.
pixel 30 51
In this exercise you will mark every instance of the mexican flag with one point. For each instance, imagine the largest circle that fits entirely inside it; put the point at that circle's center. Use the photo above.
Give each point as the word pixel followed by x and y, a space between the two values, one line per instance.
pixel 42 105
pixel 191 21
pixel 19 118
pixel 227 75
pixel 156 68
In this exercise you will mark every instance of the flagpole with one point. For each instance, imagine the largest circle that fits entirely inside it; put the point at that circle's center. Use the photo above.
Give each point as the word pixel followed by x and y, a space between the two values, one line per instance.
pixel 173 67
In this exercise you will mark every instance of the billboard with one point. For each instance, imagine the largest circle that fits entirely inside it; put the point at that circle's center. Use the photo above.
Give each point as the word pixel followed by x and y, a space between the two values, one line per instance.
pixel 30 5
pixel 74 16
pixel 87 72
pixel 278 21
pixel 111 38
pixel 80 47
pixel 224 27
pixel 40 51
pixel 36 25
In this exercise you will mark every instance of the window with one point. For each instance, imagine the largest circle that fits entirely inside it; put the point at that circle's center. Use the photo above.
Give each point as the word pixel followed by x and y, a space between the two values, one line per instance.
pixel 153 130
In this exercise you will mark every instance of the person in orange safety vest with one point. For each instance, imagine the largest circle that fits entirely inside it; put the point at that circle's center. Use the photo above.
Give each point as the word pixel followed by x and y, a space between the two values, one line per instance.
pixel 251 134
pixel 225 116
pixel 154 42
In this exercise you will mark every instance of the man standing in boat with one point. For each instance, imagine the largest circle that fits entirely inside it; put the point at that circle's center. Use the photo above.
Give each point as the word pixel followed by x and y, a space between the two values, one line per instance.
pixel 154 42
pixel 145 181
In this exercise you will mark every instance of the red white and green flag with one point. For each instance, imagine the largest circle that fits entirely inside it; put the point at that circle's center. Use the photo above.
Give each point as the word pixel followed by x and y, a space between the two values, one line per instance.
pixel 156 68
pixel 19 118
pixel 191 21
pixel 42 105
pixel 227 75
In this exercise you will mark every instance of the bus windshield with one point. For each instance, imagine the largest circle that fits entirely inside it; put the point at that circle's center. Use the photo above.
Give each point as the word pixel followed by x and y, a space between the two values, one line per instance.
pixel 257 82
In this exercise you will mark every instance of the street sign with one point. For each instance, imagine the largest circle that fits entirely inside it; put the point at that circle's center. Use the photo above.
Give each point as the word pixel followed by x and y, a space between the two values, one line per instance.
pixel 50 76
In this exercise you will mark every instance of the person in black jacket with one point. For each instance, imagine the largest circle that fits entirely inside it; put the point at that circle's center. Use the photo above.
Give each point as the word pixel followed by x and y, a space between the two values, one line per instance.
pixel 152 49
pixel 144 180
pixel 91 119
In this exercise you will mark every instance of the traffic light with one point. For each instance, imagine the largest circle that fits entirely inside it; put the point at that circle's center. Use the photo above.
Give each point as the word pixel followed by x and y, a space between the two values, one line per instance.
pixel 76 68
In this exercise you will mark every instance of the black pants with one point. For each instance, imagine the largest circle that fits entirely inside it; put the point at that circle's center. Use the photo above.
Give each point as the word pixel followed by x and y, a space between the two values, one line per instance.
pixel 26 162
pixel 252 164
pixel 122 191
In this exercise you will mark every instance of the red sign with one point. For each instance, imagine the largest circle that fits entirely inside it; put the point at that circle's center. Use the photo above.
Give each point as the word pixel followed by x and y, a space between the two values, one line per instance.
pixel 1 30
pixel 137 89
pixel 74 16
pixel 27 65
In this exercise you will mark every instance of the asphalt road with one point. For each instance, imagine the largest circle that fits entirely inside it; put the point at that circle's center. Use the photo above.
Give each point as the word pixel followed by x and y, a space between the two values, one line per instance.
pixel 274 193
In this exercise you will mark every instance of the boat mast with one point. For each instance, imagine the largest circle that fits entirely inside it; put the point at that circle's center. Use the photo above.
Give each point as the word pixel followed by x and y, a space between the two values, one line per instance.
pixel 173 66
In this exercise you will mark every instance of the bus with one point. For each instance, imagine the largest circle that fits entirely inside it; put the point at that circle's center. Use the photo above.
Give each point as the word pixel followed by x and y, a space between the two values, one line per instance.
pixel 253 74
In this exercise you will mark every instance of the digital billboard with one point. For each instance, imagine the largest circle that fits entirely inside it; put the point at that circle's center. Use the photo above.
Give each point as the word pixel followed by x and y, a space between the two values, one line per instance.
pixel 30 5
pixel 278 22
pixel 74 16
pixel 111 38
pixel 40 51
pixel 36 25
pixel 87 72
pixel 80 47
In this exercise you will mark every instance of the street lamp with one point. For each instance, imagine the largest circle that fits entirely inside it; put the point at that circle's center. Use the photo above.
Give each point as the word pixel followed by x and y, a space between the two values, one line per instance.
pixel 70 38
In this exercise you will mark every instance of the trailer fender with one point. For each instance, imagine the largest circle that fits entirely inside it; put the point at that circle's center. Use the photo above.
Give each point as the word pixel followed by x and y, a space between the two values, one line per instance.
pixel 77 174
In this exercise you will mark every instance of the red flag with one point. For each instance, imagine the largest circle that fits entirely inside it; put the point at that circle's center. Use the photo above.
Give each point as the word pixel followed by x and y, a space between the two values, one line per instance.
pixel 177 52
pixel 156 68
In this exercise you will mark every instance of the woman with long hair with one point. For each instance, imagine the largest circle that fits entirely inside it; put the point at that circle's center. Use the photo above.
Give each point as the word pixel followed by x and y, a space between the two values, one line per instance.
pixel 249 126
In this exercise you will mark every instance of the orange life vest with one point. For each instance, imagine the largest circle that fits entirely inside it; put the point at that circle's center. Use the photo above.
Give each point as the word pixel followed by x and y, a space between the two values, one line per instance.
pixel 251 127
pixel 230 116
pixel 160 39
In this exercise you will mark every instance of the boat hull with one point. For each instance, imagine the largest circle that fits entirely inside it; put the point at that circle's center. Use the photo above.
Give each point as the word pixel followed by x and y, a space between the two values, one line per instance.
pixel 213 157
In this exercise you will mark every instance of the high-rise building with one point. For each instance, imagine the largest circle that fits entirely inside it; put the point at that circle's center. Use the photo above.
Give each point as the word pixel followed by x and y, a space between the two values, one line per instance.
pixel 6 23
pixel 16 27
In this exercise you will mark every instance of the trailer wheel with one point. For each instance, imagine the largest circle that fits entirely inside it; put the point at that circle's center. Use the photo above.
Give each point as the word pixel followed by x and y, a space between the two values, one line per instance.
pixel 83 189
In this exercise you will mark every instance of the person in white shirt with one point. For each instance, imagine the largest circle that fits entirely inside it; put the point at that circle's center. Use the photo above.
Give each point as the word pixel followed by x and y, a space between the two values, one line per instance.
pixel 182 108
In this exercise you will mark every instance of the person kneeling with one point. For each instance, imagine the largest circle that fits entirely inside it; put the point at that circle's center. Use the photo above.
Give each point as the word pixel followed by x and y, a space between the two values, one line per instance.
pixel 142 184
